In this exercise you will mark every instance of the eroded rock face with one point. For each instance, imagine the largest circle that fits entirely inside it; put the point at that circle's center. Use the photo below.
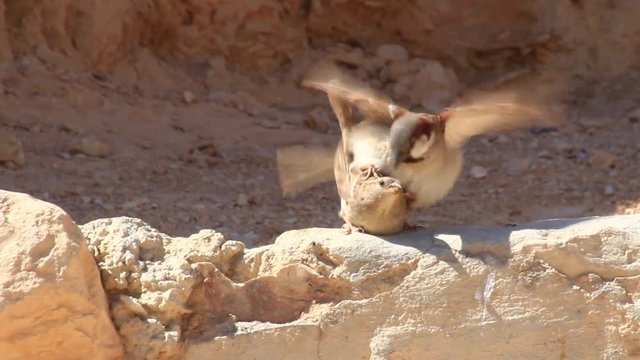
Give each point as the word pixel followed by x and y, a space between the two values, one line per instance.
pixel 149 278
pixel 553 289
pixel 549 287
pixel 52 304
pixel 589 36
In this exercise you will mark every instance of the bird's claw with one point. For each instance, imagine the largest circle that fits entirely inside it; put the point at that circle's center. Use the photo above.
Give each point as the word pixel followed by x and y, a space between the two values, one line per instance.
pixel 348 228
pixel 410 227
pixel 370 171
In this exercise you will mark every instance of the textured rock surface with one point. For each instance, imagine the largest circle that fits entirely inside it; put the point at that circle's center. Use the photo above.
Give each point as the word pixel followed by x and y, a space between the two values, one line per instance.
pixel 264 34
pixel 545 290
pixel 149 278
pixel 51 303
pixel 549 287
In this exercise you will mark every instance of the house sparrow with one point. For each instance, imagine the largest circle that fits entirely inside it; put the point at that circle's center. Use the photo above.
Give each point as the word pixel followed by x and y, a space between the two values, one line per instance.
pixel 424 151
pixel 368 202
pixel 376 205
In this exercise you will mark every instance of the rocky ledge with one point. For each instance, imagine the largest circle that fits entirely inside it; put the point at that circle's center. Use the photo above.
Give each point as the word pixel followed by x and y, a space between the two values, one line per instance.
pixel 563 288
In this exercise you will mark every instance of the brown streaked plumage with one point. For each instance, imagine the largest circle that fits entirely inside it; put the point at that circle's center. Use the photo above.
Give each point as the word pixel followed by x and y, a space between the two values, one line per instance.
pixel 424 151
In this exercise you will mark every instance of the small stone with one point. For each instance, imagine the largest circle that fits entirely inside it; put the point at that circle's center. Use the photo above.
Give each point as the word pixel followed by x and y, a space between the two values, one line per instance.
pixel 91 146
pixel 392 52
pixel 189 97
pixel 317 120
pixel 478 172
pixel 634 116
pixel 242 200
pixel 11 152
pixel 608 190
pixel 602 159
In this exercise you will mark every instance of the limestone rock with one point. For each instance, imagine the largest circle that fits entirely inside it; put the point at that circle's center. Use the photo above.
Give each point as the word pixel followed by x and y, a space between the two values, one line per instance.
pixel 550 287
pixel 149 278
pixel 51 304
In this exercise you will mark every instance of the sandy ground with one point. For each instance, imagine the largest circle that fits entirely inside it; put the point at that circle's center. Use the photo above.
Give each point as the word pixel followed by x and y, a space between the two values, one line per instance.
pixel 184 166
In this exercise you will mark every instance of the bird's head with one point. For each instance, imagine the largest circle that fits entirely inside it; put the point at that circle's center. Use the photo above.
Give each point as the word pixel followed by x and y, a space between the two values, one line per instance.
pixel 413 134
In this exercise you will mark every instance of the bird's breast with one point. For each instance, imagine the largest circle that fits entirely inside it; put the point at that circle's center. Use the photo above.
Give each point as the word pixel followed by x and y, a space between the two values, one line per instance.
pixel 432 179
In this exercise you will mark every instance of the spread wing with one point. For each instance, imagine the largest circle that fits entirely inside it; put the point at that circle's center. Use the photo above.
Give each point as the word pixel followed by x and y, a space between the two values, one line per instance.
pixel 372 103
pixel 301 167
pixel 518 106
pixel 341 172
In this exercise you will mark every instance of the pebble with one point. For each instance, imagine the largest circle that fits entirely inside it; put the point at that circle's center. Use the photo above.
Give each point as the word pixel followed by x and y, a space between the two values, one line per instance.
pixel 608 190
pixel 392 52
pixel 602 159
pixel 634 116
pixel 242 200
pixel 92 146
pixel 478 172
pixel 11 152
pixel 189 97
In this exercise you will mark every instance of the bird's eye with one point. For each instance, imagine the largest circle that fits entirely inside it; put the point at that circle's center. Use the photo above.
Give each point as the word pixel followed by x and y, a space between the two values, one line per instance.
pixel 381 182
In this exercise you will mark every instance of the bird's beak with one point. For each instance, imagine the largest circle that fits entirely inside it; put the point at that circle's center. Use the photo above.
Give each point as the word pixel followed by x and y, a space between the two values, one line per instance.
pixel 395 187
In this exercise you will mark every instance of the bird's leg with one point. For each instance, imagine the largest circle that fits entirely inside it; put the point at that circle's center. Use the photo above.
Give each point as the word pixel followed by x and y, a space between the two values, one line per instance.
pixel 370 171
pixel 348 228
pixel 410 227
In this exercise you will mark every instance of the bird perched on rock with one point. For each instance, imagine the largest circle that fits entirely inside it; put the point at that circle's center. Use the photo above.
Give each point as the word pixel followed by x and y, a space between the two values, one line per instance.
pixel 424 151
pixel 368 202
pixel 375 205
